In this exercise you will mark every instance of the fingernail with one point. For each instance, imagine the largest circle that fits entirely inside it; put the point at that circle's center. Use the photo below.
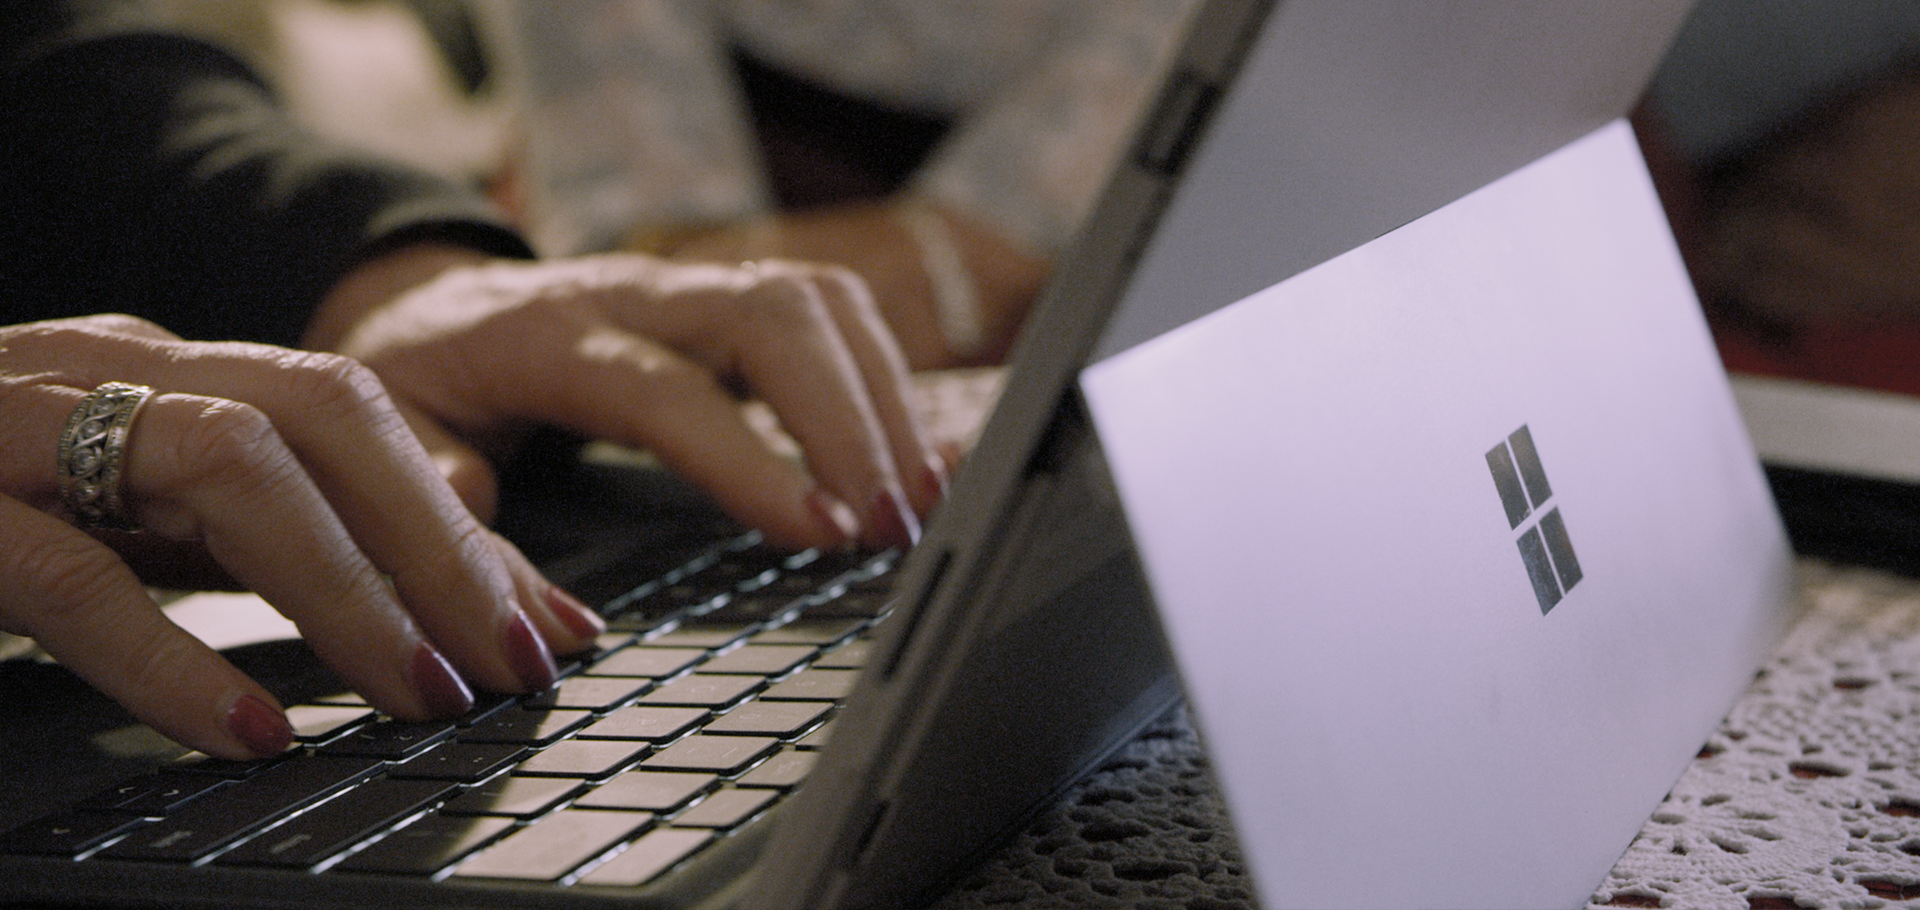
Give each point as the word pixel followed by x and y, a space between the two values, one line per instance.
pixel 933 482
pixel 833 515
pixel 259 726
pixel 951 453
pixel 582 622
pixel 891 523
pixel 444 692
pixel 528 655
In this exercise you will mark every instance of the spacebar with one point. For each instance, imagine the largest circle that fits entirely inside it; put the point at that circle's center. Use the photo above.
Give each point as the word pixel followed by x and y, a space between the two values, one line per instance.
pixel 208 823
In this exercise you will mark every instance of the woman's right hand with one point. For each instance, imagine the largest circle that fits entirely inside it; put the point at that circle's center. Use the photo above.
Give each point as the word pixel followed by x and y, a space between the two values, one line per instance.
pixel 295 473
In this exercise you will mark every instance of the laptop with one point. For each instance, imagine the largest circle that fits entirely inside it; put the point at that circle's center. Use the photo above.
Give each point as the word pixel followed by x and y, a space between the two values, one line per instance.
pixel 1018 643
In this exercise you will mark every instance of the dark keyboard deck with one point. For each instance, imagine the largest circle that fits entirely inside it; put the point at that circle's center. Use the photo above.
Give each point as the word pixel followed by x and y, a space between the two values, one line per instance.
pixel 706 703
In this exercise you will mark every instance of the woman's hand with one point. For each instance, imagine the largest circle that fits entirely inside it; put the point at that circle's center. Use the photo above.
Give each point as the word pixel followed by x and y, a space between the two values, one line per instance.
pixel 650 354
pixel 954 291
pixel 296 473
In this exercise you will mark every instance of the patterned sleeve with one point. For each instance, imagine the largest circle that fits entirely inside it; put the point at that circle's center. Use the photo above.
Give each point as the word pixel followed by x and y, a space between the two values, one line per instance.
pixel 1032 160
pixel 633 117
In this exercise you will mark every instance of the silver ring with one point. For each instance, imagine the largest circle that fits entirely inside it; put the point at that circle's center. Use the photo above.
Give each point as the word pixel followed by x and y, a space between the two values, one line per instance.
pixel 93 449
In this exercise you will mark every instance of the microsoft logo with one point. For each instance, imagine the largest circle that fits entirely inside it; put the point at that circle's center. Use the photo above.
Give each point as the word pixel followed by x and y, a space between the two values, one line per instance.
pixel 1544 546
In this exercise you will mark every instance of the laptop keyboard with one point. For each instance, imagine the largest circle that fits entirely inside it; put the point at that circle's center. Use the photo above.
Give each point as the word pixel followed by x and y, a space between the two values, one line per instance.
pixel 706 703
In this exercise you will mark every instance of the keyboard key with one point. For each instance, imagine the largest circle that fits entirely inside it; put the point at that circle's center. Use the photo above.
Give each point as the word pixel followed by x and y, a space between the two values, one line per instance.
pixel 609 642
pixel 486 705
pixel 648 610
pixel 213 821
pixel 850 656
pixel 702 690
pixel 337 824
pixel 520 797
pixel 770 718
pixel 591 758
pixel 718 754
pixel 749 568
pixel 654 853
pixel 758 606
pixel 835 566
pixel 760 660
pixel 526 727
pixel 389 739
pixel 817 739
pixel 652 663
pixel 783 770
pixel 318 723
pixel 154 794
pixel 725 808
pixel 467 762
pixel 652 791
pixel 813 685
pixel 67 834
pixel 644 722
pixel 795 585
pixel 808 631
pixel 427 845
pixel 592 693
pixel 699 636
pixel 202 763
pixel 555 845
pixel 852 603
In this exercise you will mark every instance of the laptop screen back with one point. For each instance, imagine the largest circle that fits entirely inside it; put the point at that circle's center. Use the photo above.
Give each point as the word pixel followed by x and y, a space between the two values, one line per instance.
pixel 1418 687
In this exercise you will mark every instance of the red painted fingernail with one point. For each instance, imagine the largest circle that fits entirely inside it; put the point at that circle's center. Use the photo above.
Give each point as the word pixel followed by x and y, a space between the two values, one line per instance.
pixel 933 482
pixel 528 655
pixel 833 515
pixel 259 726
pixel 444 692
pixel 890 523
pixel 582 622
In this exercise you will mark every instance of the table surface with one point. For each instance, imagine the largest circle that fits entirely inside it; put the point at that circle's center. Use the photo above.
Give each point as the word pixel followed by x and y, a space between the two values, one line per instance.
pixel 1807 795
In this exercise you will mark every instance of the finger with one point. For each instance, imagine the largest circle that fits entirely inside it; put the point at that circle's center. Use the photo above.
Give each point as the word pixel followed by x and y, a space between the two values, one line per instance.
pixel 786 343
pixel 218 471
pixel 214 470
pixel 567 625
pixel 462 466
pixel 923 469
pixel 563 622
pixel 373 477
pixel 123 325
pixel 83 606
pixel 636 391
pixel 770 327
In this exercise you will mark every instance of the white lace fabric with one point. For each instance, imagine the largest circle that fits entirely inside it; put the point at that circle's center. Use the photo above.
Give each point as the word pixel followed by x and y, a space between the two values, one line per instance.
pixel 1809 793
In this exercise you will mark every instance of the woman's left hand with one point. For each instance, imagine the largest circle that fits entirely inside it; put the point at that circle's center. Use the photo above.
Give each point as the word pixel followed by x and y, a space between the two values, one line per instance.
pixel 649 354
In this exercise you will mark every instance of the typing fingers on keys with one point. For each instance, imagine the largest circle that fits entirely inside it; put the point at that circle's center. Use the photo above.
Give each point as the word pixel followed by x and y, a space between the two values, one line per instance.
pixel 297 475
pixel 668 344
pixel 83 605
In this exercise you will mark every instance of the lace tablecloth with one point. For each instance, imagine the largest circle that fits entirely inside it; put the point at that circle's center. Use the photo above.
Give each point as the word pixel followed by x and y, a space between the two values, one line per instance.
pixel 1808 795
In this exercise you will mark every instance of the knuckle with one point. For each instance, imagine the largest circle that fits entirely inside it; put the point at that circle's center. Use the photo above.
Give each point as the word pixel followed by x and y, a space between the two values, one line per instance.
pixel 124 324
pixel 331 382
pixel 670 380
pixel 224 443
pixel 786 303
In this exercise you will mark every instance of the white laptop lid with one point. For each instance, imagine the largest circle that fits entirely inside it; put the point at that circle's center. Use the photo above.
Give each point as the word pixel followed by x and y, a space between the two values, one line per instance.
pixel 1395 717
